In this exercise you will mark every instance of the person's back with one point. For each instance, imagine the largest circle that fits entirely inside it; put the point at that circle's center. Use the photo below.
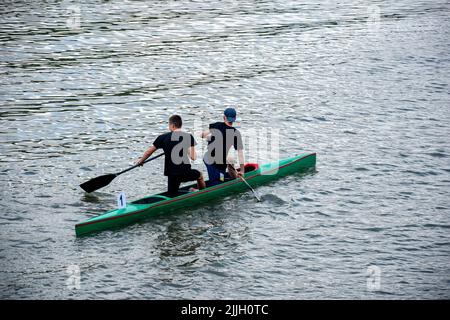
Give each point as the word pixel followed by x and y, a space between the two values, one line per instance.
pixel 221 137
pixel 178 147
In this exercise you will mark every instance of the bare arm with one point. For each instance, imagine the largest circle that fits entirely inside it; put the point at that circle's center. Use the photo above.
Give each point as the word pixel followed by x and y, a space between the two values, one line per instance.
pixel 192 153
pixel 147 154
pixel 205 134
pixel 241 160
pixel 232 170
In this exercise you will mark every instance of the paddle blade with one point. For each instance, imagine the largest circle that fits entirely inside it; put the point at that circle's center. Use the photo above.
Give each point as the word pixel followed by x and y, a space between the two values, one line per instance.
pixel 97 183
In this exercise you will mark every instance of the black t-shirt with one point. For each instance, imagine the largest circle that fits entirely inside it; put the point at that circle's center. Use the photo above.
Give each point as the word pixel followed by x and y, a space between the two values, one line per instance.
pixel 176 149
pixel 222 138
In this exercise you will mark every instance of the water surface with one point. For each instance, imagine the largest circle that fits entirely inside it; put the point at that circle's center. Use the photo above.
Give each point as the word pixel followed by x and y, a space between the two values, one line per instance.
pixel 85 87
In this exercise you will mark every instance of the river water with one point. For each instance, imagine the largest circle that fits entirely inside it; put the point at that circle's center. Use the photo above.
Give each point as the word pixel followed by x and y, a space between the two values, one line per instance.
pixel 86 86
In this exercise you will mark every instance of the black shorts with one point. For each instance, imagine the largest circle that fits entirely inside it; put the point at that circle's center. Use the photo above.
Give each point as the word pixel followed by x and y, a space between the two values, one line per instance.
pixel 174 181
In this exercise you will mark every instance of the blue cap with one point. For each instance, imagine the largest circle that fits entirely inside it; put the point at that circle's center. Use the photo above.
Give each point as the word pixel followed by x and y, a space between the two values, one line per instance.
pixel 230 113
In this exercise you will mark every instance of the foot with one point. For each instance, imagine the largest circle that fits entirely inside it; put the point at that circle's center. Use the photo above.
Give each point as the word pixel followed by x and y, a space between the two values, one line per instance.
pixel 192 189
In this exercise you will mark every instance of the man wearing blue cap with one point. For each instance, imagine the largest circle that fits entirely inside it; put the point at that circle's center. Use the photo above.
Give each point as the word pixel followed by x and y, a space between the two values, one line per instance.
pixel 221 137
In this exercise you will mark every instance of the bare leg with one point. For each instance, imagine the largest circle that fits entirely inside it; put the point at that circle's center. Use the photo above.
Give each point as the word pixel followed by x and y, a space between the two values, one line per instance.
pixel 201 182
pixel 232 171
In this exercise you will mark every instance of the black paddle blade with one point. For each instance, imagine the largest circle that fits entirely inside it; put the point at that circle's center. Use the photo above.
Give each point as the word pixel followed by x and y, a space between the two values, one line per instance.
pixel 97 183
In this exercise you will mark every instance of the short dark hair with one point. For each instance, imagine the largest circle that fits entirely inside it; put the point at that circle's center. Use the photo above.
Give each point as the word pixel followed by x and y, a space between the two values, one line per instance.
pixel 176 121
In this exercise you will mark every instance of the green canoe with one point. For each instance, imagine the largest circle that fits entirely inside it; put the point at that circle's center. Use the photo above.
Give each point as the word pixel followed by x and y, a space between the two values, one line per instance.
pixel 160 203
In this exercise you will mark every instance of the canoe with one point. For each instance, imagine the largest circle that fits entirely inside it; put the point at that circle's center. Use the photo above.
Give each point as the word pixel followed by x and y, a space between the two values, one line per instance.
pixel 160 203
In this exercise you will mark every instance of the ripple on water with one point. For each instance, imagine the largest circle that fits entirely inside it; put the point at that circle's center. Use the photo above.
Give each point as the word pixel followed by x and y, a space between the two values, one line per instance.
pixel 76 104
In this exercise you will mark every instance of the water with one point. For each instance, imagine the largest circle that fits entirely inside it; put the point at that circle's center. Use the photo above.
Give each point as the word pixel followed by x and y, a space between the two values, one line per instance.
pixel 86 86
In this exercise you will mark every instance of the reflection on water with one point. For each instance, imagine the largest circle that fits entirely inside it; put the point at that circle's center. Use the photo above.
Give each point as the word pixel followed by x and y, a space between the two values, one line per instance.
pixel 86 86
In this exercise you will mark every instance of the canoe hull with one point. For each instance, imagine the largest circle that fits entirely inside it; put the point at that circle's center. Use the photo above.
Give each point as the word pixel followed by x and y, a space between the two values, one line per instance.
pixel 136 211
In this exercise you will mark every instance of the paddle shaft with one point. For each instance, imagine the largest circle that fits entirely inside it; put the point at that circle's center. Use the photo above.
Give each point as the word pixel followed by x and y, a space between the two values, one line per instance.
pixel 137 165
pixel 104 180
pixel 245 181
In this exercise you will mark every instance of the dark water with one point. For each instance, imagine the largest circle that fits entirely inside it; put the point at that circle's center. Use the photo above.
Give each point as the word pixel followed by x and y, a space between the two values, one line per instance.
pixel 86 86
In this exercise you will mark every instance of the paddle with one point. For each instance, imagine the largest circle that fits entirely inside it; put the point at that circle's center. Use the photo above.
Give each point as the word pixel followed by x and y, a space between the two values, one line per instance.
pixel 103 181
pixel 248 185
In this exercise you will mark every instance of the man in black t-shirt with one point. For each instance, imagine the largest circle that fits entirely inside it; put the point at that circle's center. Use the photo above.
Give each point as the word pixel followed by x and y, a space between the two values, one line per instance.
pixel 221 137
pixel 178 147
